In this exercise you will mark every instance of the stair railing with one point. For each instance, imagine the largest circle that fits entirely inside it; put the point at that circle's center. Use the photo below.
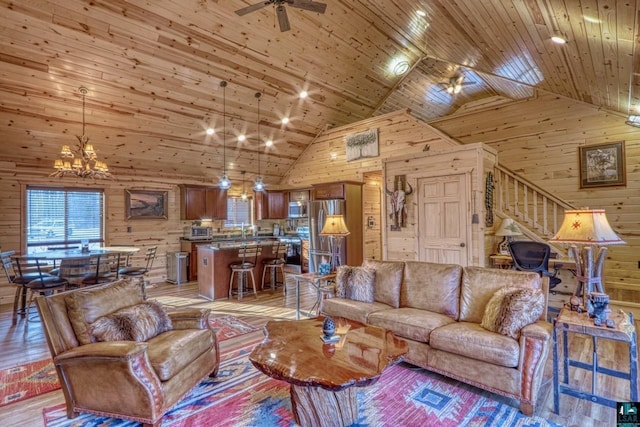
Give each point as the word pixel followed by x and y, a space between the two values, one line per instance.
pixel 528 204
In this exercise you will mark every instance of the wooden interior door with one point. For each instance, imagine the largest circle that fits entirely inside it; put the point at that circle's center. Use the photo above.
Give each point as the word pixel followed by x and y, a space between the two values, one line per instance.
pixel 443 234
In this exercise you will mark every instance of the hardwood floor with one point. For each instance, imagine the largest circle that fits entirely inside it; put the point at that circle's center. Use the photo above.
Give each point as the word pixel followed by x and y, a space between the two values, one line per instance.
pixel 25 342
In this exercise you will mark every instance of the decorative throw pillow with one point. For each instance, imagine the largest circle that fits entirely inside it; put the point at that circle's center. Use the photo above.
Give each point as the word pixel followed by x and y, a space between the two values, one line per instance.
pixel 510 309
pixel 356 283
pixel 139 322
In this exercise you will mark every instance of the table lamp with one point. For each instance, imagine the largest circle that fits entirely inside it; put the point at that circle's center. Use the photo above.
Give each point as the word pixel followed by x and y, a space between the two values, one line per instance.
pixel 508 228
pixel 336 229
pixel 590 229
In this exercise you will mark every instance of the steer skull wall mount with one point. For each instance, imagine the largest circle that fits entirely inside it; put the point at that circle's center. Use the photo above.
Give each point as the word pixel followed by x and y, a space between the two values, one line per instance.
pixel 398 212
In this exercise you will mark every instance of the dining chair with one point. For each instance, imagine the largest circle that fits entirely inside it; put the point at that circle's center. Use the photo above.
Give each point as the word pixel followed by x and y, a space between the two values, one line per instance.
pixel 140 271
pixel 104 268
pixel 248 259
pixel 42 282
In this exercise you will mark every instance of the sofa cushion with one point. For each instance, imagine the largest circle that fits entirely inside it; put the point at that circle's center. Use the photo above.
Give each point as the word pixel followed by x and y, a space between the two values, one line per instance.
pixel 138 322
pixel 410 323
pixel 473 341
pixel 351 309
pixel 388 280
pixel 355 283
pixel 511 309
pixel 433 287
pixel 479 284
pixel 85 306
pixel 172 351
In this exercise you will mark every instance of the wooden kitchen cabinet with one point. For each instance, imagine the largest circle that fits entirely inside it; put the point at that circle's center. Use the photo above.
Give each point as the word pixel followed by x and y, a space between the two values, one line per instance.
pixel 328 191
pixel 271 204
pixel 301 196
pixel 200 202
pixel 304 256
pixel 192 249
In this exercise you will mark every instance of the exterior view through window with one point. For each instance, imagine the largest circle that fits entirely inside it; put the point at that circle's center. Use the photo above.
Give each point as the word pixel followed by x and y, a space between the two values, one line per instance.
pixel 61 218
pixel 238 212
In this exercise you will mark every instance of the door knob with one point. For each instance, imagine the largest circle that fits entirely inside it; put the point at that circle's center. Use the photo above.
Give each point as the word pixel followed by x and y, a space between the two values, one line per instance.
pixel 462 245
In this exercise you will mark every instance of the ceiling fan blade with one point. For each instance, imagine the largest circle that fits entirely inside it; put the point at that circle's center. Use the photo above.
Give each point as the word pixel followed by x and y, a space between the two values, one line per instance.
pixel 282 18
pixel 313 6
pixel 253 7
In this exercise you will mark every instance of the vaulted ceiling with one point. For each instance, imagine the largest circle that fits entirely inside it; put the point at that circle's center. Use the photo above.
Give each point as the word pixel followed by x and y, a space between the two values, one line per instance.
pixel 153 70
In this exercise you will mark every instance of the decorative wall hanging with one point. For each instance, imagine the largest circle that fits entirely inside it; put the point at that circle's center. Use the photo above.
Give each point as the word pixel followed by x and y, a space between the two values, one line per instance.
pixel 146 204
pixel 602 165
pixel 398 213
pixel 488 200
pixel 364 144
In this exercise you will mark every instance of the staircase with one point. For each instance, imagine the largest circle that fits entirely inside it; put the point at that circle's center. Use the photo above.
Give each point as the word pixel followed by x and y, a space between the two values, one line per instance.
pixel 538 213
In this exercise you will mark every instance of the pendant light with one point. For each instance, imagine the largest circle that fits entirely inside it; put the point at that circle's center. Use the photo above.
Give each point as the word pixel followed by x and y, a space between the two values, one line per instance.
pixel 244 193
pixel 258 185
pixel 224 182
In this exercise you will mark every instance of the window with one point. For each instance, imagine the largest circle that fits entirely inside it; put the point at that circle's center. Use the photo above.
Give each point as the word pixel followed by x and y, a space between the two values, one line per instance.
pixel 59 218
pixel 238 212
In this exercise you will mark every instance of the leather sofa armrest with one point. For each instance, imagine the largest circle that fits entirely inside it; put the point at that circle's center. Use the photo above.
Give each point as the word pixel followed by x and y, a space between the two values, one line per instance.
pixel 110 349
pixel 190 318
pixel 114 377
pixel 539 330
pixel 535 341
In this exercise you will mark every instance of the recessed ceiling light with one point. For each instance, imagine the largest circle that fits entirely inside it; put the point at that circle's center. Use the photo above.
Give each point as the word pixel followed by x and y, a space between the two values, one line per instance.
pixel 421 13
pixel 558 38
pixel 210 131
pixel 303 94
pixel 285 120
pixel 268 143
pixel 241 138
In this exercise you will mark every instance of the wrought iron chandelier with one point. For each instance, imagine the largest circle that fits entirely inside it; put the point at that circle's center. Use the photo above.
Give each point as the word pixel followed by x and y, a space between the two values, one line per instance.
pixel 82 161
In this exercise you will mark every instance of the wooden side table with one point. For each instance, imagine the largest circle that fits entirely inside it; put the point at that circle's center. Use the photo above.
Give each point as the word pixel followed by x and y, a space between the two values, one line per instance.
pixel 580 323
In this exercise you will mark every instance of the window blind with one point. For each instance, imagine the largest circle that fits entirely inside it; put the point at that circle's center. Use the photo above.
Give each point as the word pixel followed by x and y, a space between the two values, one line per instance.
pixel 238 212
pixel 63 217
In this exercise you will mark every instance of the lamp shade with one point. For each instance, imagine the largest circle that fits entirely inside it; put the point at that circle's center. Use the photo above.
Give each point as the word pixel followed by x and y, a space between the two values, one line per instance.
pixel 587 227
pixel 508 227
pixel 334 226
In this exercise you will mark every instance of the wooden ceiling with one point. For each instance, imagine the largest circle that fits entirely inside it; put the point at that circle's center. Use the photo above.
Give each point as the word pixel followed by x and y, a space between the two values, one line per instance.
pixel 153 69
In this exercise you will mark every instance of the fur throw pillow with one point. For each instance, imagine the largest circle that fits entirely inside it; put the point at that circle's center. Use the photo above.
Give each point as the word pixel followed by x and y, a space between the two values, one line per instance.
pixel 139 322
pixel 511 309
pixel 356 283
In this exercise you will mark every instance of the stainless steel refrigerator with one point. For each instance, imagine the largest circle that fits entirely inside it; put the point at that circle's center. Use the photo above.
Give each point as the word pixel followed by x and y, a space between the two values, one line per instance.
pixel 320 246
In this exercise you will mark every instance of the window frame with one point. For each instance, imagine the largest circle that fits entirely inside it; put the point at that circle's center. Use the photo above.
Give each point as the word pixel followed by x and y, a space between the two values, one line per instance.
pixel 34 245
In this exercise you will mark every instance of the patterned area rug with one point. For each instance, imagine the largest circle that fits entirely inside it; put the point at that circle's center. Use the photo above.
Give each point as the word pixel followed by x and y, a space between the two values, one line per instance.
pixel 242 396
pixel 32 379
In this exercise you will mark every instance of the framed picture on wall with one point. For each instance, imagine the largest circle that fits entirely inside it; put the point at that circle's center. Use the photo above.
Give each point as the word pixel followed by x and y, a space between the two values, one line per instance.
pixel 602 165
pixel 146 204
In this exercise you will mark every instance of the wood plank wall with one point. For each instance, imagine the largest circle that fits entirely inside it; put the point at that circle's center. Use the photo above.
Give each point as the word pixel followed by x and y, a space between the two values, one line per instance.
pixel 143 232
pixel 539 139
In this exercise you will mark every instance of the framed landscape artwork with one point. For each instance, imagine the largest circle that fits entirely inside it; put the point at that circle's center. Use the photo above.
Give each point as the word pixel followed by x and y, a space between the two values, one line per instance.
pixel 146 204
pixel 602 165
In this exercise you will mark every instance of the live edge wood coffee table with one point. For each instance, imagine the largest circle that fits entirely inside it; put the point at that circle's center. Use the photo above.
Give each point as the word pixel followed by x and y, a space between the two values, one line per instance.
pixel 323 376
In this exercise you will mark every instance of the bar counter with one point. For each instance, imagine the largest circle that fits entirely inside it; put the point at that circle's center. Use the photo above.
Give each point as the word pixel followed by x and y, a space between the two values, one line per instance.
pixel 214 260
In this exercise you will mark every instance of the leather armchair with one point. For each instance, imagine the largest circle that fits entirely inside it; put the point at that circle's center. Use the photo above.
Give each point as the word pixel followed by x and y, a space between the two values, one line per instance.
pixel 139 381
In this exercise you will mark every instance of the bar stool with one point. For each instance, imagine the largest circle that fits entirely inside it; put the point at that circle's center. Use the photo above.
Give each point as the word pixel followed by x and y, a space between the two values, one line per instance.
pixel 43 284
pixel 11 270
pixel 274 264
pixel 248 259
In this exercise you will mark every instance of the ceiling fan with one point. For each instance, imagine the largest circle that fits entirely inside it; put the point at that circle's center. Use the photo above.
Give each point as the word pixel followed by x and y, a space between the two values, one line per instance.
pixel 455 84
pixel 281 12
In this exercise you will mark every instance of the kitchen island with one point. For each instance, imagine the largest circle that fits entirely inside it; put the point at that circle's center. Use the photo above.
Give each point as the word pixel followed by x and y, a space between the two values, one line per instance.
pixel 214 260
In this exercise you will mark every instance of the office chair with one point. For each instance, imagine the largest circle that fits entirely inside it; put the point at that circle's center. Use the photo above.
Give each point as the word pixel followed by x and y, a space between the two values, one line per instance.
pixel 533 256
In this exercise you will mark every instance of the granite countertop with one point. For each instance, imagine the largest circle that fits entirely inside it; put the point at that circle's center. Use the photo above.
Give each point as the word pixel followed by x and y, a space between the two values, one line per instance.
pixel 238 243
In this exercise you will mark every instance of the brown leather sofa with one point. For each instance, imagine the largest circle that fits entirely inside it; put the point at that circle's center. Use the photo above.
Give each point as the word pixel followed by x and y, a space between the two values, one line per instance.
pixel 139 381
pixel 438 310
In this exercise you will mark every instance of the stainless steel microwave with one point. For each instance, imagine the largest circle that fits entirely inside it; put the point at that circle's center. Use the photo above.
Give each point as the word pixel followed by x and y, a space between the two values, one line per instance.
pixel 297 210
